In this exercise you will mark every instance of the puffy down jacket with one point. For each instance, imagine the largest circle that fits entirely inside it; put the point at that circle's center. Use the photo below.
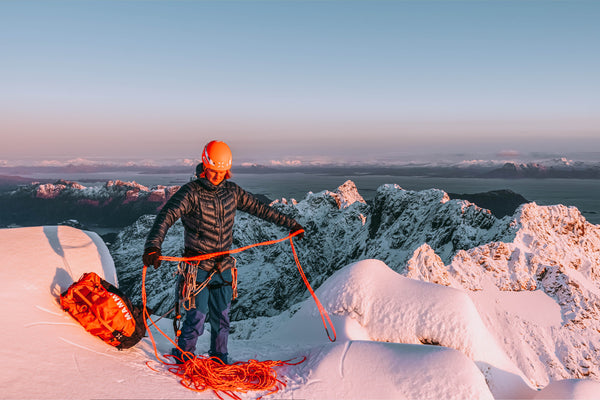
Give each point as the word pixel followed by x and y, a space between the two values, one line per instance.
pixel 207 212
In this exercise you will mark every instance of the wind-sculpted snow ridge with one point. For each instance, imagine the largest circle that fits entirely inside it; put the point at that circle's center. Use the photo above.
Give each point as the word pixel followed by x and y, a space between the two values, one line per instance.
pixel 541 254
pixel 371 302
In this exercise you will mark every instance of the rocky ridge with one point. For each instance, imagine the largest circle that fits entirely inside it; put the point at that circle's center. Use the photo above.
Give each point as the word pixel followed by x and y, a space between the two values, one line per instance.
pixel 424 235
pixel 555 250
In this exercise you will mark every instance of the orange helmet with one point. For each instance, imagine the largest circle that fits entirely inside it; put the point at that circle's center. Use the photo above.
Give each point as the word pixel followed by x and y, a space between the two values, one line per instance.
pixel 217 156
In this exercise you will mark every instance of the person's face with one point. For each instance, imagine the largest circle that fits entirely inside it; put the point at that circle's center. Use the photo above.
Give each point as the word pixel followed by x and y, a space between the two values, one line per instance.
pixel 215 177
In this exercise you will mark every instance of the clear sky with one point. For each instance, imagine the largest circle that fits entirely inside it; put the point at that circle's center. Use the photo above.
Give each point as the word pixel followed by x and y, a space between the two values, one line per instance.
pixel 298 79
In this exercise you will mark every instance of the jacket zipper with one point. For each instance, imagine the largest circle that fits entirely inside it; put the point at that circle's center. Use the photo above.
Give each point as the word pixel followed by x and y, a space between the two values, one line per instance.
pixel 220 217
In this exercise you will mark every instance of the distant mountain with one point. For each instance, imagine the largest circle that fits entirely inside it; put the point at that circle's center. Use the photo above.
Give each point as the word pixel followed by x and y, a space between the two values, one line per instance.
pixel 500 202
pixel 474 169
pixel 512 170
pixel 488 168
pixel 115 204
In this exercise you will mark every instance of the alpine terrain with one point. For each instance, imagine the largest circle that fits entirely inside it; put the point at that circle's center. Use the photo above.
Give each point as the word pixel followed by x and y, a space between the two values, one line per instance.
pixel 503 272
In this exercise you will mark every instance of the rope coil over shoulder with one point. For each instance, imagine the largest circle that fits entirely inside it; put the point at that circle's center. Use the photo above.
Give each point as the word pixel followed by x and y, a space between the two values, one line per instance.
pixel 200 373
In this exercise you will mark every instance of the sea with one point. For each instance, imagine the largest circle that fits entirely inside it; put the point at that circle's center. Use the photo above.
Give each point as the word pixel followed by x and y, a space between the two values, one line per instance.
pixel 581 193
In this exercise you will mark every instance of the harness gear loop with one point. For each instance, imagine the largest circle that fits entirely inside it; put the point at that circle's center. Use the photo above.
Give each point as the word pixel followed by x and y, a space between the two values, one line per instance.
pixel 190 287
pixel 234 277
pixel 189 271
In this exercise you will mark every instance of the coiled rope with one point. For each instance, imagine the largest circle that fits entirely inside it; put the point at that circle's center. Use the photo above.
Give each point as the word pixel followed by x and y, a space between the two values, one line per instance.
pixel 201 373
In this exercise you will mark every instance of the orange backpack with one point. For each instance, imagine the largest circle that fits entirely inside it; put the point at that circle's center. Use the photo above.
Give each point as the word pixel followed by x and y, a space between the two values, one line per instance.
pixel 104 311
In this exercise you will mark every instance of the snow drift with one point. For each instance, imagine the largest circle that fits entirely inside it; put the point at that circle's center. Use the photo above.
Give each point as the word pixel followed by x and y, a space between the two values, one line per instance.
pixel 381 317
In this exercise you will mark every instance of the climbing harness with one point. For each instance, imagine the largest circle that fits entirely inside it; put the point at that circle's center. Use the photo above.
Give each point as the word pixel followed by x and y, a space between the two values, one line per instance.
pixel 189 287
pixel 200 373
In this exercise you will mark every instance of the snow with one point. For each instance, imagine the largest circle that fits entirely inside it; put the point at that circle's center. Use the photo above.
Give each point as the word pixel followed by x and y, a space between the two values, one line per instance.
pixel 382 320
pixel 523 305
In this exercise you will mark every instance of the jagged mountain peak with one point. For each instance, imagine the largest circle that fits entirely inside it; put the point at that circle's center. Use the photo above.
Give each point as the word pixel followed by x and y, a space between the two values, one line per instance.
pixel 52 190
pixel 347 194
pixel 543 237
pixel 344 196
pixel 427 195
pixel 426 265
pixel 559 218
pixel 125 184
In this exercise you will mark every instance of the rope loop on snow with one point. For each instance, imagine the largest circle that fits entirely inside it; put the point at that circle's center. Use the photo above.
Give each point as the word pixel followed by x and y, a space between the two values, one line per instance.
pixel 200 373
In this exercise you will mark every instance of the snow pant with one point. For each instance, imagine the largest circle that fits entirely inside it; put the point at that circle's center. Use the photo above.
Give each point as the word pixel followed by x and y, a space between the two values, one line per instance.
pixel 213 302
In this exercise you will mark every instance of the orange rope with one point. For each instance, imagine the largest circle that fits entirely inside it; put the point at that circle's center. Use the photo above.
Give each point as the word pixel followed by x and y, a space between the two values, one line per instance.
pixel 202 257
pixel 322 311
pixel 200 373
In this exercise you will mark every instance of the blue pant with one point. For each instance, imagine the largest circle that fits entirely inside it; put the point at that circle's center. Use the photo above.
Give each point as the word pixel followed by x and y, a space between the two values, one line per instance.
pixel 214 303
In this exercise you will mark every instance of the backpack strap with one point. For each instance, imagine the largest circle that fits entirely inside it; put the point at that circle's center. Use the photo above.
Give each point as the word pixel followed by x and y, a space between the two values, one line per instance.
pixel 91 309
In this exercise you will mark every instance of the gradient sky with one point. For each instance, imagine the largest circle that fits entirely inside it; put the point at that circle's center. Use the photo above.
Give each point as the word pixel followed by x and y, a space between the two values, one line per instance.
pixel 354 80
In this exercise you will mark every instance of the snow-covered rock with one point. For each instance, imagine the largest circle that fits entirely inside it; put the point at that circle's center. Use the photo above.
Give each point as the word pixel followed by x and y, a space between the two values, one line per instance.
pixel 402 220
pixel 339 373
pixel 554 251
pixel 393 308
pixel 548 254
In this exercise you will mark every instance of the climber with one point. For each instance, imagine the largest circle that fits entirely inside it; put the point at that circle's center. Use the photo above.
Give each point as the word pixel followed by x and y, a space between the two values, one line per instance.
pixel 207 208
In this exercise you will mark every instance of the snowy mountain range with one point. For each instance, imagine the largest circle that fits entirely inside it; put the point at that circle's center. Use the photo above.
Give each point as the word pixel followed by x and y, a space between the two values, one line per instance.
pixel 549 252
pixel 116 203
pixel 562 168
pixel 506 169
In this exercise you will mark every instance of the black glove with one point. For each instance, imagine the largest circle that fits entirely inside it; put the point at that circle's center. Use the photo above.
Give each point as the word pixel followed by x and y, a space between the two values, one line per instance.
pixel 151 257
pixel 295 228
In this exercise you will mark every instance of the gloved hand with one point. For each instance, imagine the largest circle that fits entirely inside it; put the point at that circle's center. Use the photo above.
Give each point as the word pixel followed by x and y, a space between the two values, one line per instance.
pixel 151 257
pixel 296 227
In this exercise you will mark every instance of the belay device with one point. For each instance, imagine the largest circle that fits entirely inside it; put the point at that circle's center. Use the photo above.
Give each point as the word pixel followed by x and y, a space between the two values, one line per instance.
pixel 104 311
